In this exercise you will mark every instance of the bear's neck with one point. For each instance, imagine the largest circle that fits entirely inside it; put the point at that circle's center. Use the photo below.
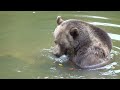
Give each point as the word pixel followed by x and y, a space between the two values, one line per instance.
pixel 82 45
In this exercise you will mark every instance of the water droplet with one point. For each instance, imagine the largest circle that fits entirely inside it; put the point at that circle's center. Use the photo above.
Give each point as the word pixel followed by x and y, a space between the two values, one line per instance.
pixel 45 77
pixel 33 12
pixel 61 77
pixel 18 71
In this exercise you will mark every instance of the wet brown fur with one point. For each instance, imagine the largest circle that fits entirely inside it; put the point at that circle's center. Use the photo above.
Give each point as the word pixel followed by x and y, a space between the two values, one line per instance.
pixel 87 47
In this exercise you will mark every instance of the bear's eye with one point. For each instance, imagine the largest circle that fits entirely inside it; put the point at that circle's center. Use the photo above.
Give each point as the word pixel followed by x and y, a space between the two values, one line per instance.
pixel 55 42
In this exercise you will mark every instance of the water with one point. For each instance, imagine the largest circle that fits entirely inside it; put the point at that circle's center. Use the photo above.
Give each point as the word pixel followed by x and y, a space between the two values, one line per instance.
pixel 26 43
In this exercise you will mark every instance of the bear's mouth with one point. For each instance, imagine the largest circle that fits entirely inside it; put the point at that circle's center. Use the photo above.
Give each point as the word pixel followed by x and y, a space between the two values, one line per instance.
pixel 57 55
pixel 66 52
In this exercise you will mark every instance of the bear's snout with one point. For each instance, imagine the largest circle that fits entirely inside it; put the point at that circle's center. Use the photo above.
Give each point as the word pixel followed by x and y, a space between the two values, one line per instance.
pixel 56 51
pixel 57 55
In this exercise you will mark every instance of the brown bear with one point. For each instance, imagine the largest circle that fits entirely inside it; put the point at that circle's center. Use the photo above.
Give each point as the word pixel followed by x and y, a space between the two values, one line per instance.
pixel 86 45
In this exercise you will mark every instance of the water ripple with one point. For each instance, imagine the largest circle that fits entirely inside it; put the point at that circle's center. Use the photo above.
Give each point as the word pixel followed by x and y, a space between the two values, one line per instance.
pixel 114 36
pixel 48 53
pixel 88 16
pixel 104 24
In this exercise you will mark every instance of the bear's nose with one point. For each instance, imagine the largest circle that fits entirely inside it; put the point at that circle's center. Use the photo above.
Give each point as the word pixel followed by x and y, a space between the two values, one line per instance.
pixel 57 55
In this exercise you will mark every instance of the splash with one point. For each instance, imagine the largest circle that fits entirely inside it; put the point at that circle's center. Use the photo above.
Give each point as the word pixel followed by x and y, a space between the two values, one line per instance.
pixel 48 53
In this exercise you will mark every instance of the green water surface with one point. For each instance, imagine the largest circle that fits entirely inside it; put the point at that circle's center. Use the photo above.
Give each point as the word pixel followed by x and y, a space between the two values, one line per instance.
pixel 26 39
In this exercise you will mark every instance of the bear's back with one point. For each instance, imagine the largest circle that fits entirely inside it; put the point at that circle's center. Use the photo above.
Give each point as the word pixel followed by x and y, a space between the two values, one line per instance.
pixel 102 35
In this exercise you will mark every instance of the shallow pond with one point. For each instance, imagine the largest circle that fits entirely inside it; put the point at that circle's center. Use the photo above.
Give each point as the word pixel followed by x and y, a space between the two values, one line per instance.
pixel 26 41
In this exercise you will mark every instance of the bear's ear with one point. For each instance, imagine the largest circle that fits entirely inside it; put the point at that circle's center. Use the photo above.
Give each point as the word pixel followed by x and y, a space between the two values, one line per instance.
pixel 59 20
pixel 74 32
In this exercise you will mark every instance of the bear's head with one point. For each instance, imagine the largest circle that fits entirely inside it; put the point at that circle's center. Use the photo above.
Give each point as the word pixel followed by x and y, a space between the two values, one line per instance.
pixel 68 35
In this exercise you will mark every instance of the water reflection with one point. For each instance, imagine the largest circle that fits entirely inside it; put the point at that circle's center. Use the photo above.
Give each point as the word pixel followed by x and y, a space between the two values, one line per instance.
pixel 117 48
pixel 104 24
pixel 114 36
pixel 88 16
